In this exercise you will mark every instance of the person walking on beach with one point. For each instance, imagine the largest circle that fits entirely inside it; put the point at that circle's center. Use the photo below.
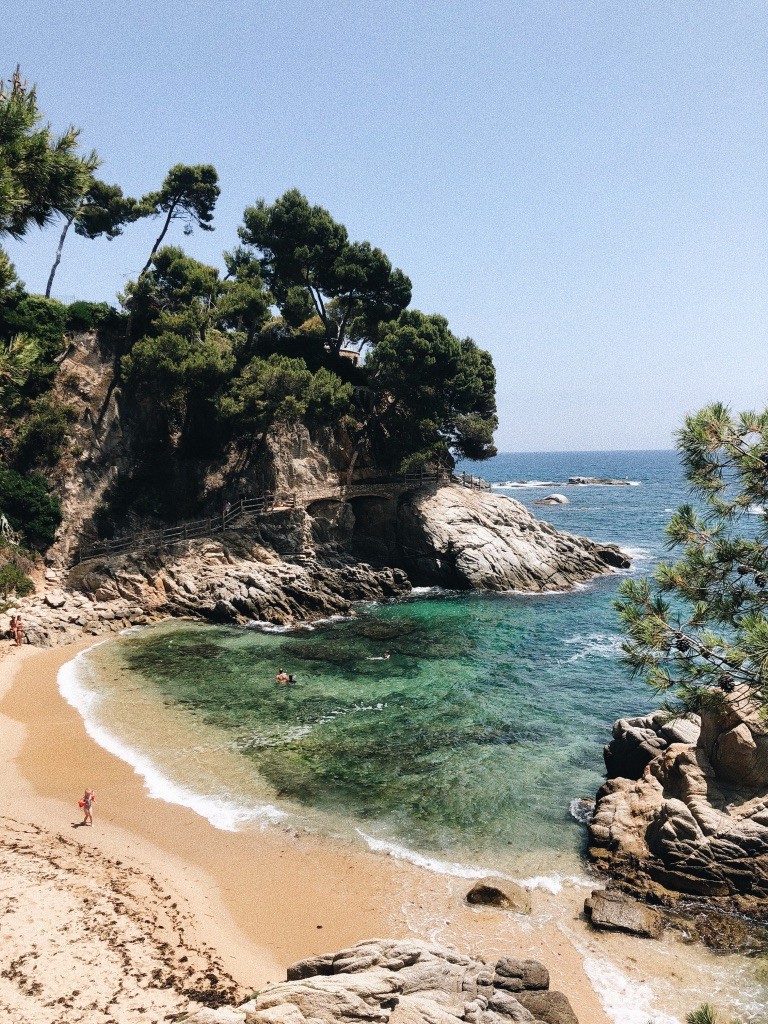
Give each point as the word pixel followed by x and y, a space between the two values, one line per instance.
pixel 89 799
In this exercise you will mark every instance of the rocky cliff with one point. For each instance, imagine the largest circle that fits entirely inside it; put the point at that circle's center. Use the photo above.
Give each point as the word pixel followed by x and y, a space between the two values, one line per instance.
pixel 685 808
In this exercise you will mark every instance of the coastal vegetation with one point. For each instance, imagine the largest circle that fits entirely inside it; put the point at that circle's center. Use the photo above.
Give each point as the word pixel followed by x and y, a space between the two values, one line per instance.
pixel 698 630
pixel 301 324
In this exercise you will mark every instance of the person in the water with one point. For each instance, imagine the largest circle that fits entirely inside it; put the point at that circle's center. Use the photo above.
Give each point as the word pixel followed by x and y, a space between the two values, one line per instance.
pixel 381 657
pixel 282 677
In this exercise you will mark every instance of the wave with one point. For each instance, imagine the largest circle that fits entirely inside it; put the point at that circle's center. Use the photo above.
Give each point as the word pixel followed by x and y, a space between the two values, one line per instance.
pixel 757 510
pixel 582 810
pixel 511 485
pixel 638 554
pixel 439 867
pixel 593 645
pixel 624 1001
pixel 221 812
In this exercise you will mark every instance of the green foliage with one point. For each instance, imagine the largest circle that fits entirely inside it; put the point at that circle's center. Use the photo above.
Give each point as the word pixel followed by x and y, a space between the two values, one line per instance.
pixel 14 581
pixel 188 194
pixel 43 435
pixel 435 392
pixel 104 211
pixel 31 337
pixel 40 174
pixel 90 316
pixel 310 264
pixel 31 509
pixel 698 630
pixel 705 1014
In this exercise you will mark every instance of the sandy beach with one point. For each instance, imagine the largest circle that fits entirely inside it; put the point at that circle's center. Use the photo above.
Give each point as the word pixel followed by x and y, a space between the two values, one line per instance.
pixel 248 903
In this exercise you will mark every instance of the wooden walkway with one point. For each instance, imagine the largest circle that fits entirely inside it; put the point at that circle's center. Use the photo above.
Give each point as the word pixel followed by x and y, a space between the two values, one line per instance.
pixel 246 508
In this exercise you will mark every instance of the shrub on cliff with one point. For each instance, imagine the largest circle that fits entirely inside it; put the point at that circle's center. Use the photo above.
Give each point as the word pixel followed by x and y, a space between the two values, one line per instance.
pixel 14 581
pixel 699 628
pixel 31 509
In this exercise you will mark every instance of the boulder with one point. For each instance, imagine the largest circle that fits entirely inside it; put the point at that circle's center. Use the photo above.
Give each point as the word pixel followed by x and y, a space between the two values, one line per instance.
pixel 548 1007
pixel 614 911
pixel 55 599
pixel 409 982
pixel 501 893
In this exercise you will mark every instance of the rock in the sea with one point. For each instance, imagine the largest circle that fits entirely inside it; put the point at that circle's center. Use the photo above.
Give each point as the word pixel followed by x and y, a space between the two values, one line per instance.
pixel 614 911
pixel 409 982
pixel 553 499
pixel 463 539
pixel 502 893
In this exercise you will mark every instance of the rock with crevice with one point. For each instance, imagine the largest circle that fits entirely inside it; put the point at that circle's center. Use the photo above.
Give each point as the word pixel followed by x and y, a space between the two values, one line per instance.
pixel 392 981
pixel 501 893
pixel 464 539
pixel 686 808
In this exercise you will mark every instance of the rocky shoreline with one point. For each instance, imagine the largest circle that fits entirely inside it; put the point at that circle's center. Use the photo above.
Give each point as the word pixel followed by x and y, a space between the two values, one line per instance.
pixel 682 820
pixel 302 565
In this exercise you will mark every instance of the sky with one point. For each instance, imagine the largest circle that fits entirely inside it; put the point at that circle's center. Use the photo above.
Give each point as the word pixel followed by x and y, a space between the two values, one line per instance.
pixel 579 185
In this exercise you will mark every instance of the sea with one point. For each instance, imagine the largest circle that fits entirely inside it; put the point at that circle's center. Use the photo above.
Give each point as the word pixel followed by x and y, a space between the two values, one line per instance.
pixel 460 731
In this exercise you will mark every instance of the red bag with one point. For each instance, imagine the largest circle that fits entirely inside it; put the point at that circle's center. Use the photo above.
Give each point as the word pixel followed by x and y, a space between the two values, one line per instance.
pixel 81 803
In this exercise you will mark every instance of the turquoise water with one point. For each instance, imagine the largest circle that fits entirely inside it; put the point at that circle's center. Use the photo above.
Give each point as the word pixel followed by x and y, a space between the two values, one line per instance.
pixel 471 742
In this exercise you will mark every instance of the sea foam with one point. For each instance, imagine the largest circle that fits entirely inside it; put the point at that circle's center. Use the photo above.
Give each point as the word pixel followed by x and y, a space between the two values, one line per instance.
pixel 221 812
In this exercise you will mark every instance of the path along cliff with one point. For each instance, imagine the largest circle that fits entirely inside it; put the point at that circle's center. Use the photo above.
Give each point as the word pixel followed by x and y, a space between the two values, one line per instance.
pixel 309 562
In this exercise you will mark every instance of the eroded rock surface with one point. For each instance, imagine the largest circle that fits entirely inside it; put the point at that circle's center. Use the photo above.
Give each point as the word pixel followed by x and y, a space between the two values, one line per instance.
pixel 672 820
pixel 615 911
pixel 409 982
pixel 465 539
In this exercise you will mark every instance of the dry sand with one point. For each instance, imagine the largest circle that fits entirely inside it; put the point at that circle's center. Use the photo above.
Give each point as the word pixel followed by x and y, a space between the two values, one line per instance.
pixel 82 898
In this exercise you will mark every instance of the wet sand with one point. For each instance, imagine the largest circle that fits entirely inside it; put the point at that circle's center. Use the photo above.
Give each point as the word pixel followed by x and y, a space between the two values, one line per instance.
pixel 264 899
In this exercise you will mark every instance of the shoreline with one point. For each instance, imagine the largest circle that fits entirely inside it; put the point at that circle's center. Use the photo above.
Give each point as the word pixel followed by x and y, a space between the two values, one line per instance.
pixel 264 899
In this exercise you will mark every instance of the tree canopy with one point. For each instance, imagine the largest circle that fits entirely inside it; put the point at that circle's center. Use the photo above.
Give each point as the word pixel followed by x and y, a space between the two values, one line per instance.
pixel 305 253
pixel 698 630
pixel 436 393
pixel 188 194
pixel 41 174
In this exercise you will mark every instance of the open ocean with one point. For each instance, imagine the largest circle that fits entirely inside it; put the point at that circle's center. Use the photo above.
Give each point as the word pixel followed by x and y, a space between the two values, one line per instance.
pixel 464 752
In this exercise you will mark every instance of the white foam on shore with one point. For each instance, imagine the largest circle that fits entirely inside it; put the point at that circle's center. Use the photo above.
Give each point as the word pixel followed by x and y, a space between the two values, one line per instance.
pixel 624 1001
pixel 550 883
pixel 221 813
pixel 439 867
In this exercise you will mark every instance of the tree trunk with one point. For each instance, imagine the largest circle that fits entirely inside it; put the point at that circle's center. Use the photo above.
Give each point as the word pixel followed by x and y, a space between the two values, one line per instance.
pixel 57 261
pixel 160 237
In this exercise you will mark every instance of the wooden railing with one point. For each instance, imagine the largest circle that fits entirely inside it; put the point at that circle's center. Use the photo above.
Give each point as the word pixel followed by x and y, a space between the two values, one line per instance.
pixel 245 508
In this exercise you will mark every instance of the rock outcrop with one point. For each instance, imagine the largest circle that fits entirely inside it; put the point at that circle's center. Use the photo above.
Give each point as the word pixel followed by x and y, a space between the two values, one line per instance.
pixel 465 539
pixel 685 808
pixel 409 982
pixel 229 579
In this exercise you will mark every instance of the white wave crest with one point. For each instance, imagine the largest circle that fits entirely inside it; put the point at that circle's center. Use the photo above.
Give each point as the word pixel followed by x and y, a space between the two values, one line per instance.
pixel 593 645
pixel 624 1001
pixel 638 554
pixel 439 867
pixel 511 485
pixel 757 510
pixel 581 810
pixel 221 812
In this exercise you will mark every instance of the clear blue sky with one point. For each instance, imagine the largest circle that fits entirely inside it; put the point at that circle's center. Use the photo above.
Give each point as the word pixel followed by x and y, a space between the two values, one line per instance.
pixel 580 186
